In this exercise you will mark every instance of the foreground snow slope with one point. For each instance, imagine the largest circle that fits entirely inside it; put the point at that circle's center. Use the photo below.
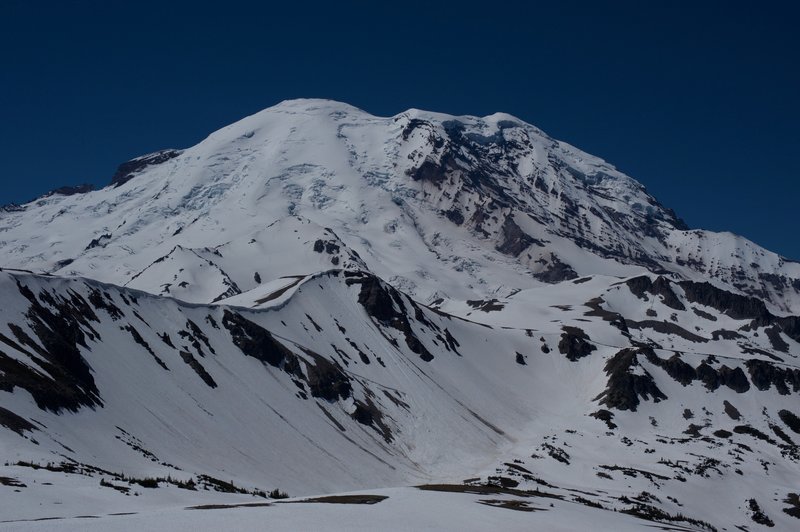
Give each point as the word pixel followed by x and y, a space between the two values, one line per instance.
pixel 402 509
pixel 605 399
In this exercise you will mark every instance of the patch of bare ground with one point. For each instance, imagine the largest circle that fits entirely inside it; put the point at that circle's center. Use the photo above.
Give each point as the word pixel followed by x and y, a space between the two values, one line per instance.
pixel 486 489
pixel 520 506
pixel 226 506
pixel 344 499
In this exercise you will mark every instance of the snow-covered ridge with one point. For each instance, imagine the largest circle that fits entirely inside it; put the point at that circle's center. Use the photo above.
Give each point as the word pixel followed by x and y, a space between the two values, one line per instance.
pixel 442 206
pixel 344 383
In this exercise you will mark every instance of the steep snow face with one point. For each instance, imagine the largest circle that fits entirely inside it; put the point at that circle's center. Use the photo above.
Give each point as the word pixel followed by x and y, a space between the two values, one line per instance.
pixel 441 206
pixel 640 396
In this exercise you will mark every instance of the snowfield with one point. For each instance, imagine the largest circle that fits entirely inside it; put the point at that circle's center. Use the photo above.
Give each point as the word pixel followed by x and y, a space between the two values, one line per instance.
pixel 421 322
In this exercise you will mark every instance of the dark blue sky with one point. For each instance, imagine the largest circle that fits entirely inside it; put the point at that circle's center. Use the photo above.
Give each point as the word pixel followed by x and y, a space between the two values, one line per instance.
pixel 701 103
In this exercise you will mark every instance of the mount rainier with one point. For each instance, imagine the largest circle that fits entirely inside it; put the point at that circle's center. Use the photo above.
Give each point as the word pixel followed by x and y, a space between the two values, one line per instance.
pixel 407 322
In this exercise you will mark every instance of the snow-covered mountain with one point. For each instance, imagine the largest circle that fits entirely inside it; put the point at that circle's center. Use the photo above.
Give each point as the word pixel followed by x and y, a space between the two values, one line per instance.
pixel 440 206
pixel 318 300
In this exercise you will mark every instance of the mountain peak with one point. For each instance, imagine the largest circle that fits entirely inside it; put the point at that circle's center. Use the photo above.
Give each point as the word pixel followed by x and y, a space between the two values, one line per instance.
pixel 314 105
pixel 411 195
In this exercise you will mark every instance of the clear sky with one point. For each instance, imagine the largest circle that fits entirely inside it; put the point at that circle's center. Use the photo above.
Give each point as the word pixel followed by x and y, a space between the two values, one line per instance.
pixel 699 101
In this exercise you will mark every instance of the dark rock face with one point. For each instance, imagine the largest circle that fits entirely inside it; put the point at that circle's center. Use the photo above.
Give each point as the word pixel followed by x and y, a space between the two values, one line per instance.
pixel 754 432
pixel 255 341
pixel 128 170
pixel 465 164
pixel 605 416
pixel 758 515
pixel 556 272
pixel 703 314
pixel 142 342
pixel 328 246
pixel 515 240
pixel 486 305
pixel 12 421
pixel 377 300
pixel 59 333
pixel 624 388
pixel 766 374
pixel 575 343
pixel 733 378
pixel 790 419
pixel 790 325
pixel 11 207
pixel 781 434
pixel 615 319
pixel 450 343
pixel 455 216
pixel 434 172
pixel 385 305
pixel 640 286
pixel 731 410
pixel 72 190
pixel 99 241
pixel 736 306
pixel 103 301
pixel 725 335
pixel 665 327
pixel 708 376
pixel 793 500
pixel 674 366
pixel 418 347
pixel 367 413
pixel 470 162
pixel 194 335
pixel 774 335
pixel 325 379
pixel 338 251
pixel 198 368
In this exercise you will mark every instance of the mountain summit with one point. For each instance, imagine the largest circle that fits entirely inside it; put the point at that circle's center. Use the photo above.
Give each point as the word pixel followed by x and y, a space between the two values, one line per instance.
pixel 439 205
pixel 318 300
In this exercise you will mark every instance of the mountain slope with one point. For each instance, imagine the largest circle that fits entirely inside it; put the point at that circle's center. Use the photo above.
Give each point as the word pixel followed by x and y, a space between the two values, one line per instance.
pixel 441 206
pixel 607 395
pixel 318 300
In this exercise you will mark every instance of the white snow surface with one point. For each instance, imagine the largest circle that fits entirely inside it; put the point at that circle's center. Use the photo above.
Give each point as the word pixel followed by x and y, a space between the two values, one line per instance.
pixel 459 320
pixel 363 176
